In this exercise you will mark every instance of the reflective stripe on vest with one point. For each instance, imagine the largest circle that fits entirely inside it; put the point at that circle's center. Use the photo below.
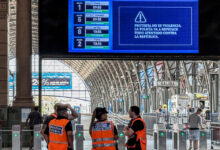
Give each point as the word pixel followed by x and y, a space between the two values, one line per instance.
pixel 59 142
pixel 104 145
pixel 103 139
pixel 103 136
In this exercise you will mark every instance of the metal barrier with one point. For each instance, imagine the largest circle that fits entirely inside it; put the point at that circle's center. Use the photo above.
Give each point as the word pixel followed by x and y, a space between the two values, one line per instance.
pixel 203 140
pixel 159 141
pixel 118 119
pixel 121 139
pixel 160 138
pixel 37 137
pixel 180 140
pixel 16 137
pixel 79 137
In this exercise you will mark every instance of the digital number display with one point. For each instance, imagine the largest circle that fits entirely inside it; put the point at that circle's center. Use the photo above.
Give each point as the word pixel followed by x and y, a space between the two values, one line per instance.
pixel 133 26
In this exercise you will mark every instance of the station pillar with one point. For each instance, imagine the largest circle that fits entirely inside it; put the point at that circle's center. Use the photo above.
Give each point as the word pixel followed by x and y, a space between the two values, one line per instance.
pixel 3 53
pixel 219 86
pixel 23 54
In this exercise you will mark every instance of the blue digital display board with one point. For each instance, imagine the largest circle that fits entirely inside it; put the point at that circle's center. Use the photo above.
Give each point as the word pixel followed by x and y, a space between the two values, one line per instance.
pixel 129 26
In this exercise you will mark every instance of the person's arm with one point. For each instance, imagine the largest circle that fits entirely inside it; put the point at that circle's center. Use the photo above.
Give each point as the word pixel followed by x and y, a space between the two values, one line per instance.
pixel 115 133
pixel 200 123
pixel 69 131
pixel 92 122
pixel 46 134
pixel 137 126
pixel 42 132
pixel 70 139
pixel 27 120
pixel 74 114
pixel 129 131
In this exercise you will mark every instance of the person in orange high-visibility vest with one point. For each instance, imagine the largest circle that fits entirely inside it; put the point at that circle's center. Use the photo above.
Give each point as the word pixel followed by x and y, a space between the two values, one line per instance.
pixel 59 131
pixel 103 132
pixel 136 131
pixel 71 116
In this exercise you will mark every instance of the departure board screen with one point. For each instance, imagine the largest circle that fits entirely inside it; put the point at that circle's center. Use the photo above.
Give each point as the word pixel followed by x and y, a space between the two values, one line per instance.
pixel 133 26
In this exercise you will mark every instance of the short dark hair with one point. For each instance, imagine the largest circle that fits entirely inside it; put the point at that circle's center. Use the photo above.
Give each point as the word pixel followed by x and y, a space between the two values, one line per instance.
pixel 61 110
pixel 199 110
pixel 100 111
pixel 56 105
pixel 36 108
pixel 135 109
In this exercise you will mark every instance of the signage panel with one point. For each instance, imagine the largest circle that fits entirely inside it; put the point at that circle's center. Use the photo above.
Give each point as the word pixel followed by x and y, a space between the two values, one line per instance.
pixel 167 83
pixel 143 26
pixel 50 81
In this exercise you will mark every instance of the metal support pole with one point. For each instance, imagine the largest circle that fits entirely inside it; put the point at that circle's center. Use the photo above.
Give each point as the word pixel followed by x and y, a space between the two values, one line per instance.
pixel 194 84
pixel 166 102
pixel 178 75
pixel 40 84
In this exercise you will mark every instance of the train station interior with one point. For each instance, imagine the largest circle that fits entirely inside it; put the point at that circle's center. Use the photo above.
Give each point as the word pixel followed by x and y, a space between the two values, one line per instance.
pixel 167 88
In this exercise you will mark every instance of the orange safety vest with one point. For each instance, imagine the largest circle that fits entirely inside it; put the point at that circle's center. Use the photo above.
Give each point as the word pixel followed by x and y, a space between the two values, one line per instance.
pixel 57 134
pixel 103 136
pixel 141 135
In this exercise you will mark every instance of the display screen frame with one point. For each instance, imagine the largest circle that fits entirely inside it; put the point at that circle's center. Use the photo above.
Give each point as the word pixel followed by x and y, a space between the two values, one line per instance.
pixel 114 12
pixel 53 37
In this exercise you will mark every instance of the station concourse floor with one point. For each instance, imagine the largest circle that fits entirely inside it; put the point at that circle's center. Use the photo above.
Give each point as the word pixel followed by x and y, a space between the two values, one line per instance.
pixel 88 144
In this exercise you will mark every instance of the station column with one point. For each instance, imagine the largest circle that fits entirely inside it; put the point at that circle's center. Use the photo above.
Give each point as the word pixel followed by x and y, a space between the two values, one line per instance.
pixel 3 53
pixel 219 86
pixel 23 54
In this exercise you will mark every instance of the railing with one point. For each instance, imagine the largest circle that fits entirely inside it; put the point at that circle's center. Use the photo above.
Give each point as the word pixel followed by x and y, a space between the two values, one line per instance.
pixel 118 119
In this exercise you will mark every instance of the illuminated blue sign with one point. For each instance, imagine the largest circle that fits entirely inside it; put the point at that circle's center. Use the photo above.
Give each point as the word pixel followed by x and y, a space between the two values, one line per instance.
pixel 77 109
pixel 50 81
pixel 129 26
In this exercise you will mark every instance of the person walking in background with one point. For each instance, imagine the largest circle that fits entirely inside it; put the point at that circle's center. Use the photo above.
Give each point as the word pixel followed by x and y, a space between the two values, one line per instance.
pixel 33 118
pixel 159 110
pixel 136 131
pixel 194 125
pixel 59 132
pixel 208 114
pixel 71 116
pixel 103 132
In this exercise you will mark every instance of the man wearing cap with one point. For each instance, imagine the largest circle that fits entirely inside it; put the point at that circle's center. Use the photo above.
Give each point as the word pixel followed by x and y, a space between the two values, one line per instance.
pixel 103 132
pixel 59 133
